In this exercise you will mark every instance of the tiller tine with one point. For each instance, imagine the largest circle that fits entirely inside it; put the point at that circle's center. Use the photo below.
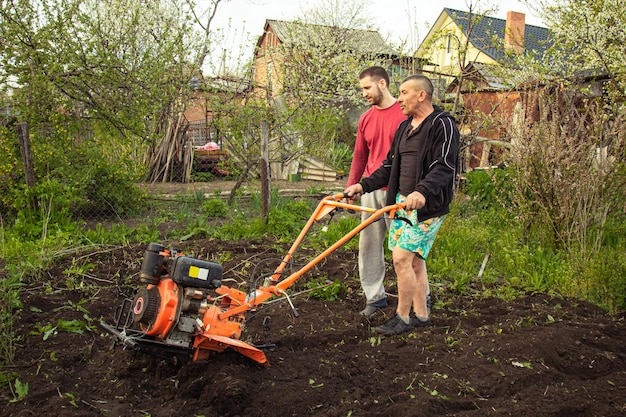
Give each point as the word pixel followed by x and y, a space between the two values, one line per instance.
pixel 205 343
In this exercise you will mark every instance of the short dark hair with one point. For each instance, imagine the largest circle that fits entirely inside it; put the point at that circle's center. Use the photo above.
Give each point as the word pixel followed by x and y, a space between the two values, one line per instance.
pixel 423 81
pixel 375 72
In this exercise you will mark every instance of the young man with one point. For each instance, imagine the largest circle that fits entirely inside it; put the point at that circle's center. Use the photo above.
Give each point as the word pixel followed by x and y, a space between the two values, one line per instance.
pixel 419 170
pixel 374 136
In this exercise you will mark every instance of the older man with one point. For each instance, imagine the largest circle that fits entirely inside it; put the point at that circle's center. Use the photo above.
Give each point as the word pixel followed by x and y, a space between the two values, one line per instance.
pixel 419 170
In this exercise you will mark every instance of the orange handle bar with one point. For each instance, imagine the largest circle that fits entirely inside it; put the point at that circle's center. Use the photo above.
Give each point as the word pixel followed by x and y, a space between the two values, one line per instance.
pixel 327 205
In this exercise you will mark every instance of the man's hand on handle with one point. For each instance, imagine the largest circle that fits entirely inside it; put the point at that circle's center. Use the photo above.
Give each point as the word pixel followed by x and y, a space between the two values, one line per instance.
pixel 415 201
pixel 353 192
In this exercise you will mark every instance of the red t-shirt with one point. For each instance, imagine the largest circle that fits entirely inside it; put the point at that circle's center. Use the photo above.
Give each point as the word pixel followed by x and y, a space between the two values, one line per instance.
pixel 373 138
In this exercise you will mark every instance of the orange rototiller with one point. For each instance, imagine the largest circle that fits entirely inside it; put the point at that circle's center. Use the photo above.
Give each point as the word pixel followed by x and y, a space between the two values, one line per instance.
pixel 185 313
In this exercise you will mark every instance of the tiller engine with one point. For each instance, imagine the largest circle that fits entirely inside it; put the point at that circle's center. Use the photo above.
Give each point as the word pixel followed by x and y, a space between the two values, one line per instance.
pixel 184 312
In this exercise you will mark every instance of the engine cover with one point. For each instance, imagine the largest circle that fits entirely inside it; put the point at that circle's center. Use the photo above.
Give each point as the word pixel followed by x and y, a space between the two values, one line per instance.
pixel 196 273
pixel 169 297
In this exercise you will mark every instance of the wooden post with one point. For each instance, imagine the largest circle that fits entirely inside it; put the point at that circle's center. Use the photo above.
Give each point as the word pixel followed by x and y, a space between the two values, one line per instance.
pixel 265 174
pixel 27 155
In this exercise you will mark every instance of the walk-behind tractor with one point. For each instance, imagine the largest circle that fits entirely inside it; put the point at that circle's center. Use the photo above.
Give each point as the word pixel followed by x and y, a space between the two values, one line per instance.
pixel 185 313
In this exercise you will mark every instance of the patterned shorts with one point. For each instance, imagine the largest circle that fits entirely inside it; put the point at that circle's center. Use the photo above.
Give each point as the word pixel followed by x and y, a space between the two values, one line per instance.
pixel 418 238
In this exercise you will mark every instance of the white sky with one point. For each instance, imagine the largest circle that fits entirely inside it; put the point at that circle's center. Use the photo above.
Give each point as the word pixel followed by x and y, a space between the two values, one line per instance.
pixel 241 21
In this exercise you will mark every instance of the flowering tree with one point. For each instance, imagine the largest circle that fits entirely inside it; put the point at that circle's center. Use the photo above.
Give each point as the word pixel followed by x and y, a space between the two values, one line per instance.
pixel 94 80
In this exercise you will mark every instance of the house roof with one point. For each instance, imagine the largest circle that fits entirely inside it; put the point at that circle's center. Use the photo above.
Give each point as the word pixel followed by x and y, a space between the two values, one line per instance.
pixel 221 84
pixel 494 78
pixel 536 38
pixel 491 75
pixel 361 40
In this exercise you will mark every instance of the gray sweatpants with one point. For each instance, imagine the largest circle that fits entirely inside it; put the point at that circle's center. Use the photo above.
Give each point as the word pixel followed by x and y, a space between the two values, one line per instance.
pixel 371 249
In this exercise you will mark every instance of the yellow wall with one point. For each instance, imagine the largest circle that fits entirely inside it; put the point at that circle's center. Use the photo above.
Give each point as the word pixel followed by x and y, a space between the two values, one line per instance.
pixel 268 67
pixel 441 48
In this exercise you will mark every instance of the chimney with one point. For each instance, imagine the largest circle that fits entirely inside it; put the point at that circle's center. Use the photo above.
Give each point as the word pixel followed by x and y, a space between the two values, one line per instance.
pixel 514 31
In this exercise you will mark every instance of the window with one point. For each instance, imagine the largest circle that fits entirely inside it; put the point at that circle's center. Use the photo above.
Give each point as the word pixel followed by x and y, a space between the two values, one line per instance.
pixel 198 133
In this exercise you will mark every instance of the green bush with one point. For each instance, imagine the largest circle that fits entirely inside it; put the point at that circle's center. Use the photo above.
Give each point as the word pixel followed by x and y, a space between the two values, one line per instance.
pixel 10 286
pixel 459 249
pixel 339 156
pixel 325 289
pixel 287 222
pixel 10 171
pixel 284 221
pixel 470 237
pixel 101 169
pixel 488 189
pixel 201 176
pixel 323 237
pixel 603 280
pixel 108 188
pixel 215 208
pixel 44 209
pixel 120 234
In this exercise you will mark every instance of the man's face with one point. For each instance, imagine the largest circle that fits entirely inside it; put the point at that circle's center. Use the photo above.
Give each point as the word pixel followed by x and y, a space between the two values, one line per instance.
pixel 371 90
pixel 411 98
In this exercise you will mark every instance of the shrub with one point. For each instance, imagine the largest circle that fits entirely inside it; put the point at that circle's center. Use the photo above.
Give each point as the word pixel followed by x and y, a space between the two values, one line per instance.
pixel 335 230
pixel 287 222
pixel 489 189
pixel 10 171
pixel 44 209
pixel 325 289
pixel 10 301
pixel 215 208
pixel 568 176
pixel 108 188
pixel 101 170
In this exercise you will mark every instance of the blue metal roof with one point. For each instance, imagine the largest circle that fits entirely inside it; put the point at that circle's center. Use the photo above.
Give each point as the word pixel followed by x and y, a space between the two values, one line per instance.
pixel 536 38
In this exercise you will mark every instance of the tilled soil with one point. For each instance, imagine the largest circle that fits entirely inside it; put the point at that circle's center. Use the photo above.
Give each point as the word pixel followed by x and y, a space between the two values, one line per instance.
pixel 533 356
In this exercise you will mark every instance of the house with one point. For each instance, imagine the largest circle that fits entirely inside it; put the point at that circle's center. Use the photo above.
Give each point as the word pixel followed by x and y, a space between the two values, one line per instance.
pixel 210 147
pixel 293 43
pixel 458 39
pixel 467 54
pixel 269 56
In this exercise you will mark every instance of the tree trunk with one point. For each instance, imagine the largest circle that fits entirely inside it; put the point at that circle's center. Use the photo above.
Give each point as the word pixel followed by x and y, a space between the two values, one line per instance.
pixel 27 155
pixel 265 177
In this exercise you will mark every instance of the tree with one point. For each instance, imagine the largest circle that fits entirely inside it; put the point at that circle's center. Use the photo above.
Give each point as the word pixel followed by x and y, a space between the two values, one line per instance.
pixel 324 52
pixel 172 157
pixel 113 62
pixel 95 79
pixel 242 120
pixel 589 38
pixel 570 152
pixel 313 77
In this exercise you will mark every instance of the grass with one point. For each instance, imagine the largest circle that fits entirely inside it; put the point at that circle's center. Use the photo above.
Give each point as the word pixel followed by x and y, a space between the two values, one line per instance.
pixel 480 251
pixel 517 265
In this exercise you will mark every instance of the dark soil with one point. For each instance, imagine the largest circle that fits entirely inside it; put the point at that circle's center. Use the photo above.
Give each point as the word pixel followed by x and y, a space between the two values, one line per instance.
pixel 533 356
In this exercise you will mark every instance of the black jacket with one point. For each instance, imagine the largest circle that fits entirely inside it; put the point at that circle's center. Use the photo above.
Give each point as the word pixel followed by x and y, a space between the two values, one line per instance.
pixel 438 157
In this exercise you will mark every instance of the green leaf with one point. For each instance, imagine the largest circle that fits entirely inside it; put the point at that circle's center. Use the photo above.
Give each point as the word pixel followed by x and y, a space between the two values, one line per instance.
pixel 20 392
pixel 49 333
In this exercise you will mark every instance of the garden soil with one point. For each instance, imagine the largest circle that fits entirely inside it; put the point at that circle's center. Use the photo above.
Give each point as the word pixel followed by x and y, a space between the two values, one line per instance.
pixel 532 356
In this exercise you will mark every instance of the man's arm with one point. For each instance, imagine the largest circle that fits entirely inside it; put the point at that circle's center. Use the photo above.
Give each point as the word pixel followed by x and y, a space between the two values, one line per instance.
pixel 442 168
pixel 359 157
pixel 380 178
